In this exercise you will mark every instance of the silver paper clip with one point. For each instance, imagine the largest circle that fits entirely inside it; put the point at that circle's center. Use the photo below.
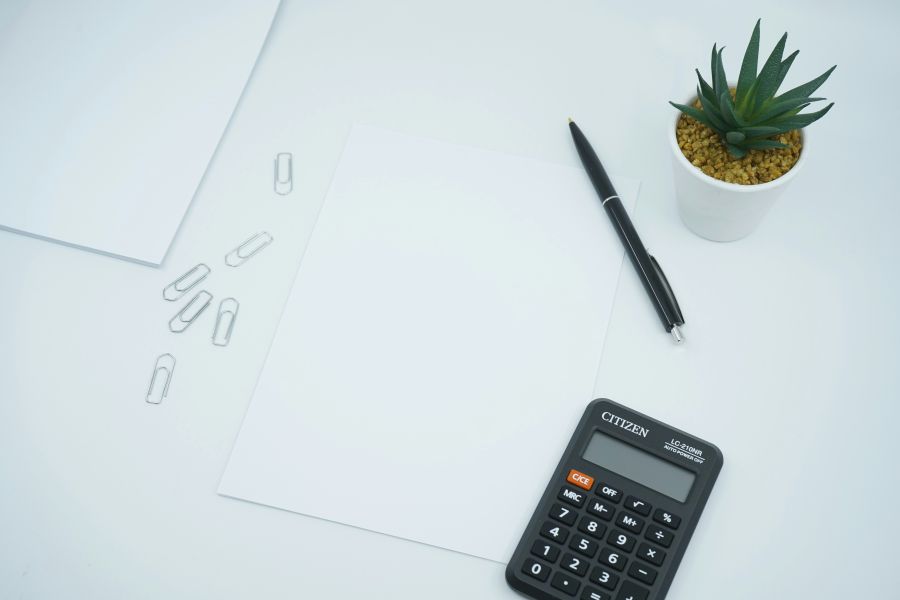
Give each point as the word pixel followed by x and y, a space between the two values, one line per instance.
pixel 193 309
pixel 183 284
pixel 159 387
pixel 228 310
pixel 284 173
pixel 248 249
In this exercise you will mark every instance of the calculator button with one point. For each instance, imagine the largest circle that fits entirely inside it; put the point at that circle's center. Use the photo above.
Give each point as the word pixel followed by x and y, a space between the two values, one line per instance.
pixel 582 545
pixel 572 496
pixel 544 550
pixel 660 536
pixel 621 540
pixel 609 492
pixel 590 593
pixel 591 527
pixel 614 558
pixel 563 514
pixel 604 578
pixel 554 531
pixel 638 506
pixel 652 555
pixel 601 509
pixel 576 564
pixel 578 478
pixel 535 569
pixel 666 518
pixel 630 522
pixel 632 591
pixel 565 583
pixel 642 573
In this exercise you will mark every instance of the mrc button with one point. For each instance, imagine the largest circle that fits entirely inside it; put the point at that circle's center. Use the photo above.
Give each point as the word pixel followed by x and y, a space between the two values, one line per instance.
pixel 572 496
pixel 578 478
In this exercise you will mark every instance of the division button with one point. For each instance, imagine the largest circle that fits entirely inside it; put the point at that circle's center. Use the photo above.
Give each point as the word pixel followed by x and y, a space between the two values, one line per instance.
pixel 659 536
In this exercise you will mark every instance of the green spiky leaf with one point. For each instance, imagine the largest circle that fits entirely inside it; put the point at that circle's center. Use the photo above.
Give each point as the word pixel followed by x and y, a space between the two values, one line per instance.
pixel 748 66
pixel 748 119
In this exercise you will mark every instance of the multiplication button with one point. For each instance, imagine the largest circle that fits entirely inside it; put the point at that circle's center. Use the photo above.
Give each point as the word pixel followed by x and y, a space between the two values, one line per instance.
pixel 652 555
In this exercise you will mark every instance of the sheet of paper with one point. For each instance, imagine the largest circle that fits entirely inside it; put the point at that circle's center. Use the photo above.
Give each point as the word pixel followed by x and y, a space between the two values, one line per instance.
pixel 438 347
pixel 111 111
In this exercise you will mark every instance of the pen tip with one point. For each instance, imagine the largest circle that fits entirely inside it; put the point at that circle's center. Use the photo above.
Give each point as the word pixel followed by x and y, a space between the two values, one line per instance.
pixel 570 120
pixel 676 334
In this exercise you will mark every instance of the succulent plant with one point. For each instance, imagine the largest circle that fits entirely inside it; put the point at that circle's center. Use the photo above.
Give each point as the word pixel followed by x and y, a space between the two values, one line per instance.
pixel 750 118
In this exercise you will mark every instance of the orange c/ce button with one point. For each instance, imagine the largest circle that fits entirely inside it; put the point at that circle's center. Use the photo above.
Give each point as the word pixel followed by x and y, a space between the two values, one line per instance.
pixel 580 479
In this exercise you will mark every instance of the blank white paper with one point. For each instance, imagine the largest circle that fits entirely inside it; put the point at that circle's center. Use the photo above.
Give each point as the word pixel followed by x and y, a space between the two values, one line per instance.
pixel 110 112
pixel 438 347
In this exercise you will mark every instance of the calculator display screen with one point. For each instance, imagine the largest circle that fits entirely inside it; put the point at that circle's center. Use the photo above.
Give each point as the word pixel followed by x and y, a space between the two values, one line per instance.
pixel 637 465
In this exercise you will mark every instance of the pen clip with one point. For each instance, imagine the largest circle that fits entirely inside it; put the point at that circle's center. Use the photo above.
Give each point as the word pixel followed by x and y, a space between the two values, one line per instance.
pixel 667 292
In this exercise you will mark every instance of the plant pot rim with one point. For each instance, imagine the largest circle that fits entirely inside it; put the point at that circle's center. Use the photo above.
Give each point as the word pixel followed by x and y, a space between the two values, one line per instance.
pixel 724 185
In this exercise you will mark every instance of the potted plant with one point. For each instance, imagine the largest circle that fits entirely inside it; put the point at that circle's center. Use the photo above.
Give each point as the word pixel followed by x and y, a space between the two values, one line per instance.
pixel 735 149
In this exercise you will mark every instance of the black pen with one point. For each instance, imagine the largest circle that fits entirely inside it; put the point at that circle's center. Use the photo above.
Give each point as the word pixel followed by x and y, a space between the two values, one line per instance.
pixel 648 269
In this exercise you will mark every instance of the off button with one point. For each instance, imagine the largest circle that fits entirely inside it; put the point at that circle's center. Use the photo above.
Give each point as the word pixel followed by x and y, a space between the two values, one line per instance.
pixel 585 482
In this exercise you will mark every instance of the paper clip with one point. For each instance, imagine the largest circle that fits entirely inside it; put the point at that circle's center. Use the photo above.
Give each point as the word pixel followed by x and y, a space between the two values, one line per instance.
pixel 193 309
pixel 284 173
pixel 183 284
pixel 228 309
pixel 248 249
pixel 165 367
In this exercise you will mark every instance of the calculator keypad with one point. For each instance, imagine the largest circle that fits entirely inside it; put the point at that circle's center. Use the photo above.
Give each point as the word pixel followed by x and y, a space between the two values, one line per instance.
pixel 614 554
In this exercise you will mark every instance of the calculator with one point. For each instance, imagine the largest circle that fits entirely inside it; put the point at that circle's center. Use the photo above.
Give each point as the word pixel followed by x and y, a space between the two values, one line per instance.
pixel 618 513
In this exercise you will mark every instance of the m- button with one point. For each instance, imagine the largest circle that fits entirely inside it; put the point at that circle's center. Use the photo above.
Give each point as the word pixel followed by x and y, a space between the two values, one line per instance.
pixel 578 478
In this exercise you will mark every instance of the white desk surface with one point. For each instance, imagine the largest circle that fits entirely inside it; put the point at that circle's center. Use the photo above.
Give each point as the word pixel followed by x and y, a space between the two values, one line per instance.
pixel 790 364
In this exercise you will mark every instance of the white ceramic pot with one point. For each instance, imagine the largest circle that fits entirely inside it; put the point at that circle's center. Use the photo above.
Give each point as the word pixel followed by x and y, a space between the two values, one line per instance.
pixel 722 211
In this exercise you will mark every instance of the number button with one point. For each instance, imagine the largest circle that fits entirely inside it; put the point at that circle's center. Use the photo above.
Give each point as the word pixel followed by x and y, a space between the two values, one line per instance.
pixel 666 518
pixel 566 584
pixel 660 536
pixel 613 558
pixel 601 509
pixel 563 514
pixel 574 497
pixel 630 522
pixel 638 506
pixel 592 527
pixel 652 555
pixel 545 551
pixel 590 593
pixel 642 573
pixel 604 578
pixel 574 563
pixel 609 492
pixel 582 545
pixel 621 540
pixel 632 591
pixel 535 569
pixel 554 532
